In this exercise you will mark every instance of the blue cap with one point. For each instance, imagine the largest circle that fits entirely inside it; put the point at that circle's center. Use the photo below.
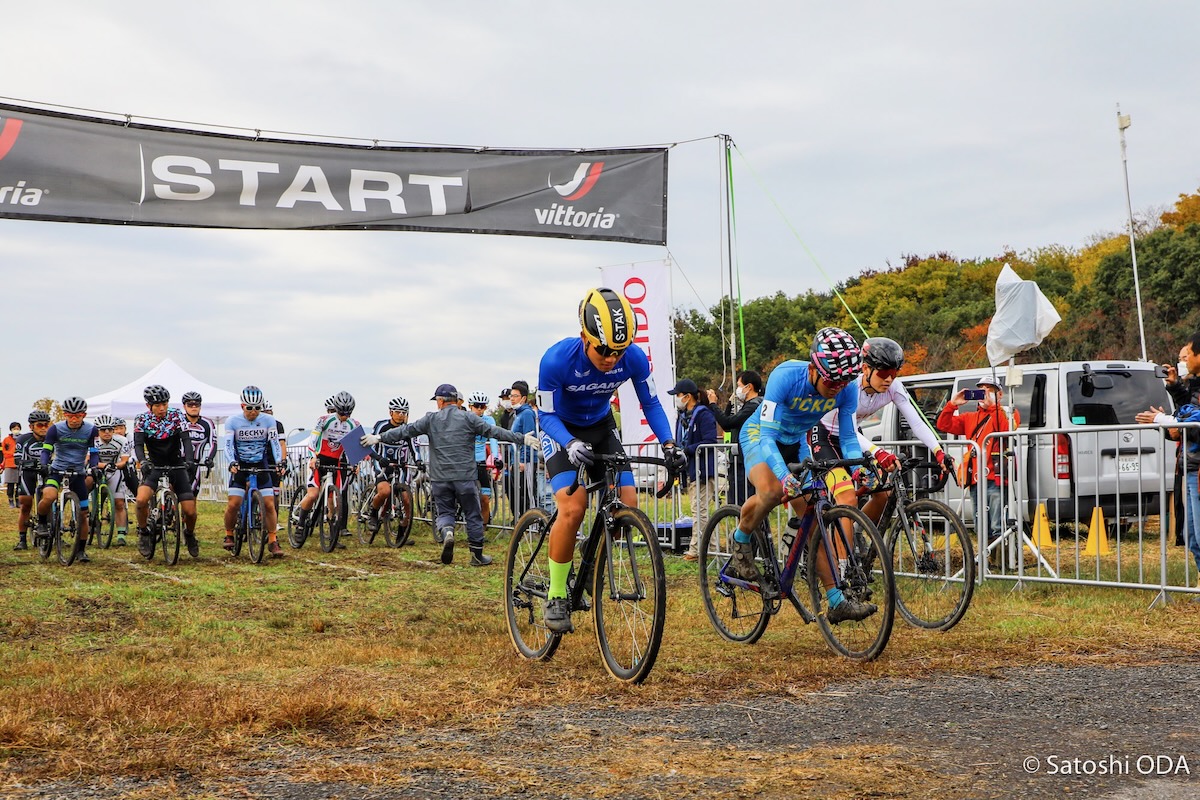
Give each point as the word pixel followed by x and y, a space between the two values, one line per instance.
pixel 445 392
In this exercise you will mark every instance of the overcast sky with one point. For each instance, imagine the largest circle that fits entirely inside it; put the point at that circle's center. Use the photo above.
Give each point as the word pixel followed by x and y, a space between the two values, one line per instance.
pixel 879 129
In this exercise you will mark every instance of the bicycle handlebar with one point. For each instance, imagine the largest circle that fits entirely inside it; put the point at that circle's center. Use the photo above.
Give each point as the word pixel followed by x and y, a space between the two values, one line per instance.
pixel 623 459
pixel 812 465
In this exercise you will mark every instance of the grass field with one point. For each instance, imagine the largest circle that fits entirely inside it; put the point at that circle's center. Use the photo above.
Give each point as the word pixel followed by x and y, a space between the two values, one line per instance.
pixel 123 667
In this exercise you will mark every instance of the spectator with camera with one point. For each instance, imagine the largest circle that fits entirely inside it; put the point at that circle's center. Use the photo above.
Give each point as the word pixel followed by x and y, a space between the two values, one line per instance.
pixel 989 417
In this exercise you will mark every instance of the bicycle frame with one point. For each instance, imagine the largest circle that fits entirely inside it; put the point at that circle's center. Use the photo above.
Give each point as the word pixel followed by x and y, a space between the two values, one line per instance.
pixel 818 503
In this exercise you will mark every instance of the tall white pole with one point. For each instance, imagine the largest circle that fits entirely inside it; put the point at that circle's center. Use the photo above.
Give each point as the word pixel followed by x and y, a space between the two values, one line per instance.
pixel 1123 122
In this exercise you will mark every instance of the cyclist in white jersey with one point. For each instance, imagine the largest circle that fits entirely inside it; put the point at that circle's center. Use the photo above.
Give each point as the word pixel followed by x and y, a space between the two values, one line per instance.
pixel 325 449
pixel 877 386
pixel 114 457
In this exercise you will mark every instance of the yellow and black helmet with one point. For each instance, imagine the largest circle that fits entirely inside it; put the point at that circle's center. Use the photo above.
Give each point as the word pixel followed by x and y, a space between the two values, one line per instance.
pixel 607 320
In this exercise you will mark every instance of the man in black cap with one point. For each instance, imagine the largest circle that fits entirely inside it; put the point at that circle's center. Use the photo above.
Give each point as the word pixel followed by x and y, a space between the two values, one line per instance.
pixel 451 431
pixel 694 427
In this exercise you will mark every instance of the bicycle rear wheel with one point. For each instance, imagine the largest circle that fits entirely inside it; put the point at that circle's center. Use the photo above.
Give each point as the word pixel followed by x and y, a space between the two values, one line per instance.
pixel 526 582
pixel 864 639
pixel 398 522
pixel 738 613
pixel 629 597
pixel 933 565
pixel 101 519
pixel 297 534
pixel 255 534
pixel 172 528
pixel 362 518
pixel 423 502
pixel 329 520
pixel 67 529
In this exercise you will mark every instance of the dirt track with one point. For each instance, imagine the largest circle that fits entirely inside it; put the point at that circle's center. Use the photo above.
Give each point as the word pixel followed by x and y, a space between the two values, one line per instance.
pixel 952 736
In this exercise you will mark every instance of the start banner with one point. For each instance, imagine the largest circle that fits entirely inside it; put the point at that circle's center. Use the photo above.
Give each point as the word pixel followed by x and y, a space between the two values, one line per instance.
pixel 67 168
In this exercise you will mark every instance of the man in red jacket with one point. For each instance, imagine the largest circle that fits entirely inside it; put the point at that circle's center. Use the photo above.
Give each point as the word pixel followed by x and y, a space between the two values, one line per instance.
pixel 990 417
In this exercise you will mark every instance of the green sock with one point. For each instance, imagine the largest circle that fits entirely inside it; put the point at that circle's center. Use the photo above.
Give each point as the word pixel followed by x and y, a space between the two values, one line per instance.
pixel 558 579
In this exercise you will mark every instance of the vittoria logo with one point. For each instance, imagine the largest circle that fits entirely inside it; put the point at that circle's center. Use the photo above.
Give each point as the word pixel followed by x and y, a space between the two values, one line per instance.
pixel 10 129
pixel 585 178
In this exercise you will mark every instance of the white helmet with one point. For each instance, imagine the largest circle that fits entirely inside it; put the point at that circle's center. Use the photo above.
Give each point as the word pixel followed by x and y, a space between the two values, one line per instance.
pixel 477 399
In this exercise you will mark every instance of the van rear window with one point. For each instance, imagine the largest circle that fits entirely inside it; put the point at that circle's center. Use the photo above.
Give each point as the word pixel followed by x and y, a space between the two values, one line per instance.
pixel 1112 397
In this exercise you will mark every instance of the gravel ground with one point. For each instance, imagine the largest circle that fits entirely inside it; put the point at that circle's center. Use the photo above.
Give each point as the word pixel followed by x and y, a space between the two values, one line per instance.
pixel 1026 732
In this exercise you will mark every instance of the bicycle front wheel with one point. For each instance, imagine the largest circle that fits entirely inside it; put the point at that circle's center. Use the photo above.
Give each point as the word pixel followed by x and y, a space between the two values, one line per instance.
pixel 297 534
pixel 398 522
pixel 526 582
pixel 362 518
pixel 172 528
pixel 629 597
pixel 329 521
pixel 101 519
pixel 737 612
pixel 67 529
pixel 423 501
pixel 860 582
pixel 933 564
pixel 256 536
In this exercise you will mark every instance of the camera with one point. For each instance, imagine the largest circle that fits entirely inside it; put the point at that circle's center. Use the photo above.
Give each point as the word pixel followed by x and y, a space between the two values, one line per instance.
pixel 974 394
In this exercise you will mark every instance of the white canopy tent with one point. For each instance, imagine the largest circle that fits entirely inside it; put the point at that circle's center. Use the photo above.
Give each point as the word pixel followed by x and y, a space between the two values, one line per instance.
pixel 127 401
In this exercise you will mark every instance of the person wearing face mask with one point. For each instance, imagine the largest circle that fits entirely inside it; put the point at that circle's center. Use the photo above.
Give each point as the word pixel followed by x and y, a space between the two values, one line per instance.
pixel 696 426
pixel 990 417
pixel 748 394
pixel 1183 385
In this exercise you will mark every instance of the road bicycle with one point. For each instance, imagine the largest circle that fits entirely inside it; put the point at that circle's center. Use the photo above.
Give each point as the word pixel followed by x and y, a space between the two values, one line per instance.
pixel 62 521
pixel 932 556
pixel 395 515
pixel 619 564
pixel 327 515
pixel 102 520
pixel 740 610
pixel 164 524
pixel 248 528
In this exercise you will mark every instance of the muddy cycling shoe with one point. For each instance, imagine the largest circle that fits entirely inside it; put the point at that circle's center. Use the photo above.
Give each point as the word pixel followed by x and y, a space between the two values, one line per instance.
pixel 193 546
pixel 850 610
pixel 145 543
pixel 81 555
pixel 228 544
pixel 742 565
pixel 558 615
pixel 373 523
pixel 274 549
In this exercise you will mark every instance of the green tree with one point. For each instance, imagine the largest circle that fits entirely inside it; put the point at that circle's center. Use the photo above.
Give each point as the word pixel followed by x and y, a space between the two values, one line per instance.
pixel 51 407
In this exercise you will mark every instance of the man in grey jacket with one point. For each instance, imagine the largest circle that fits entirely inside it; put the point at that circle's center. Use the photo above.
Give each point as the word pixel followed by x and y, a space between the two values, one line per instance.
pixel 452 471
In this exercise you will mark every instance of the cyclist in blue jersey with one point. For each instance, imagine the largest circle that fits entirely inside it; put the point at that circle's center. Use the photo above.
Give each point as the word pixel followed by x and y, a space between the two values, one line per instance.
pixel 487 457
pixel 73 444
pixel 576 380
pixel 252 441
pixel 391 457
pixel 797 395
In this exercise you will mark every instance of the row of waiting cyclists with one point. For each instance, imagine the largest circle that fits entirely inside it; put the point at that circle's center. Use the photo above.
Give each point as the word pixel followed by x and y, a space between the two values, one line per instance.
pixel 810 408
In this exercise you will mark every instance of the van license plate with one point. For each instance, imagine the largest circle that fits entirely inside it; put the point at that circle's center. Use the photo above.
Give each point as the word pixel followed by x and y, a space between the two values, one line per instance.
pixel 1129 464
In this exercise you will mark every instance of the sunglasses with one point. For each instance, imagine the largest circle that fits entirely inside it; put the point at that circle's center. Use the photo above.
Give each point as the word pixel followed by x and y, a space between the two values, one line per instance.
pixel 478 405
pixel 886 373
pixel 607 352
pixel 836 386
pixel 255 407
pixel 191 403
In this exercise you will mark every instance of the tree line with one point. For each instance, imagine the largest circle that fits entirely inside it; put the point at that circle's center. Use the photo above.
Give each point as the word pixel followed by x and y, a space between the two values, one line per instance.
pixel 939 307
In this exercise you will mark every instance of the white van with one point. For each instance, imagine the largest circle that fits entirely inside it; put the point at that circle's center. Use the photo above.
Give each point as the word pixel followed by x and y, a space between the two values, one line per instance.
pixel 1070 468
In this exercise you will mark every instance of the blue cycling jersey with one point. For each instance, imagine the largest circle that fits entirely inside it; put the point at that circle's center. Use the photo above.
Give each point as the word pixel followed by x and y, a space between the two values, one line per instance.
pixel 70 446
pixel 246 440
pixel 572 390
pixel 481 445
pixel 790 407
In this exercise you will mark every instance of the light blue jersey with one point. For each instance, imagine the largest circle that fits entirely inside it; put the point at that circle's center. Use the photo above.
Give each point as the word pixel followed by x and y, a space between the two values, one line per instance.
pixel 791 406
pixel 246 441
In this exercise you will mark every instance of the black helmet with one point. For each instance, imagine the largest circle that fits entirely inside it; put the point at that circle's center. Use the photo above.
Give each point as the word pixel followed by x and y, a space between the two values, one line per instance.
pixel 74 405
pixel 192 397
pixel 156 393
pixel 37 415
pixel 881 353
